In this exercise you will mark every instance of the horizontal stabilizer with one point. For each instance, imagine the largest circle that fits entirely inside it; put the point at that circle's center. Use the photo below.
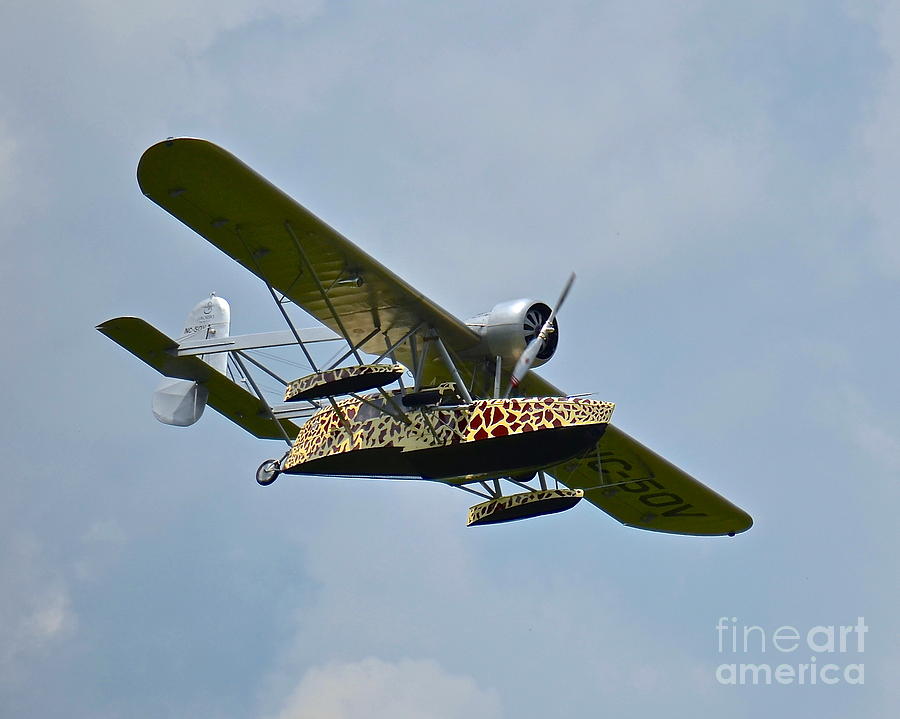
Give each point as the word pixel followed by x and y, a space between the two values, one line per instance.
pixel 260 340
pixel 155 348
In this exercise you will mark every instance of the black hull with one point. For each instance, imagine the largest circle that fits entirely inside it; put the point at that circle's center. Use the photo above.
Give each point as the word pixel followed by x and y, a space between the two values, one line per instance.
pixel 497 455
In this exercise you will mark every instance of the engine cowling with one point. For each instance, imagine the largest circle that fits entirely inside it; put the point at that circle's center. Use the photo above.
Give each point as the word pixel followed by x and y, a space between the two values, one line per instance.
pixel 508 328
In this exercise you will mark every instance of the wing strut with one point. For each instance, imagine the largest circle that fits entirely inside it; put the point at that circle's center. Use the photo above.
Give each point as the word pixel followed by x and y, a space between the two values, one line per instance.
pixel 261 398
pixel 463 390
pixel 387 341
pixel 237 374
pixel 420 365
pixel 353 348
pixel 280 380
pixel 312 272
pixel 278 302
pixel 261 366
pixel 391 347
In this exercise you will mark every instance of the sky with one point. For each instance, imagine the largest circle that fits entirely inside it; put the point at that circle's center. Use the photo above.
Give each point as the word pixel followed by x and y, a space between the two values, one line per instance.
pixel 723 178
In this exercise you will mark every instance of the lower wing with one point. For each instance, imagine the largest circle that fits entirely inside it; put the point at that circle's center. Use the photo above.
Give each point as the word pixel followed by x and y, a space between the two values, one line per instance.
pixel 635 485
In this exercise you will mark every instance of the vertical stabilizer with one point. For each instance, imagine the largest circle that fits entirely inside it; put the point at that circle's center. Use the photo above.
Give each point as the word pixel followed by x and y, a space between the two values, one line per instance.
pixel 181 402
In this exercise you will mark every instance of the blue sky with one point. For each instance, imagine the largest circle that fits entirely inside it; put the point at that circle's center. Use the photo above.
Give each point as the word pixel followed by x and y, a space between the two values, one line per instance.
pixel 721 176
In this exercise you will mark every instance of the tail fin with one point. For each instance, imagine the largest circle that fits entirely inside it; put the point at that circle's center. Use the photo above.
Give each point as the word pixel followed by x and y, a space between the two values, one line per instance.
pixel 181 402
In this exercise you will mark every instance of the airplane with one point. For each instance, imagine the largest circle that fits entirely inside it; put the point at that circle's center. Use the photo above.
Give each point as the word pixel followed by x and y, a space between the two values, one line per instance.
pixel 434 398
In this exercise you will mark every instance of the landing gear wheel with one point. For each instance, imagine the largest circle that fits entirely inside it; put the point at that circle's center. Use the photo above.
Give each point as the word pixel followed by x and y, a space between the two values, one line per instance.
pixel 268 472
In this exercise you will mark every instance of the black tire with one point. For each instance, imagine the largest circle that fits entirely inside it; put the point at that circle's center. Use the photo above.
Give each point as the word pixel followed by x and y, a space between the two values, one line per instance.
pixel 267 473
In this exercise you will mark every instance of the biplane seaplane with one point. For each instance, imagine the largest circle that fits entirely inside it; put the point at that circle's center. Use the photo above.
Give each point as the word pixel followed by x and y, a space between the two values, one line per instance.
pixel 415 394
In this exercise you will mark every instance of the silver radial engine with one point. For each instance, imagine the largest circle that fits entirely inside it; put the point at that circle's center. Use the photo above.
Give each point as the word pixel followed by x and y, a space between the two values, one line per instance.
pixel 508 328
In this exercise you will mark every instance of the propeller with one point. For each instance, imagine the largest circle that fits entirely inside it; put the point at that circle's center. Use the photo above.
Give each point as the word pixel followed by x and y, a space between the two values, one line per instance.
pixel 534 346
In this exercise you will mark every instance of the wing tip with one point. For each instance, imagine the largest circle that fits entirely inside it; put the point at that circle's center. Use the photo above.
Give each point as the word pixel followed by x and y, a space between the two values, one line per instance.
pixel 746 523
pixel 112 321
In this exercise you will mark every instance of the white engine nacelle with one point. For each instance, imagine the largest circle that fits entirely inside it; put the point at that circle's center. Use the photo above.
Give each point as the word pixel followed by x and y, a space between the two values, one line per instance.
pixel 508 328
pixel 181 402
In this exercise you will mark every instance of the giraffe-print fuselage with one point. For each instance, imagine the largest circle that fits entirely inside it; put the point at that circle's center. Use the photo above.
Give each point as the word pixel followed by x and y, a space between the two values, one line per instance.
pixel 336 441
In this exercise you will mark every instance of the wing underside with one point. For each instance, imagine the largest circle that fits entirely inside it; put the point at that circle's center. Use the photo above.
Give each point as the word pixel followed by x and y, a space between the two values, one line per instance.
pixel 641 489
pixel 280 241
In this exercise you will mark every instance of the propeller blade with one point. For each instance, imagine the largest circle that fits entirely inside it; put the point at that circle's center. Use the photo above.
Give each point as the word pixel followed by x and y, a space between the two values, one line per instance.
pixel 531 351
pixel 563 294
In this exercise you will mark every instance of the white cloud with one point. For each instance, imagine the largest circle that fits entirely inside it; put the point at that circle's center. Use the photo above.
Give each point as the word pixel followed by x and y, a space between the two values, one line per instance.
pixel 51 617
pixel 374 688
pixel 105 532
pixel 422 588
pixel 881 143
pixel 35 607
pixel 190 26
pixel 593 146
pixel 879 443
pixel 102 543
pixel 874 432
